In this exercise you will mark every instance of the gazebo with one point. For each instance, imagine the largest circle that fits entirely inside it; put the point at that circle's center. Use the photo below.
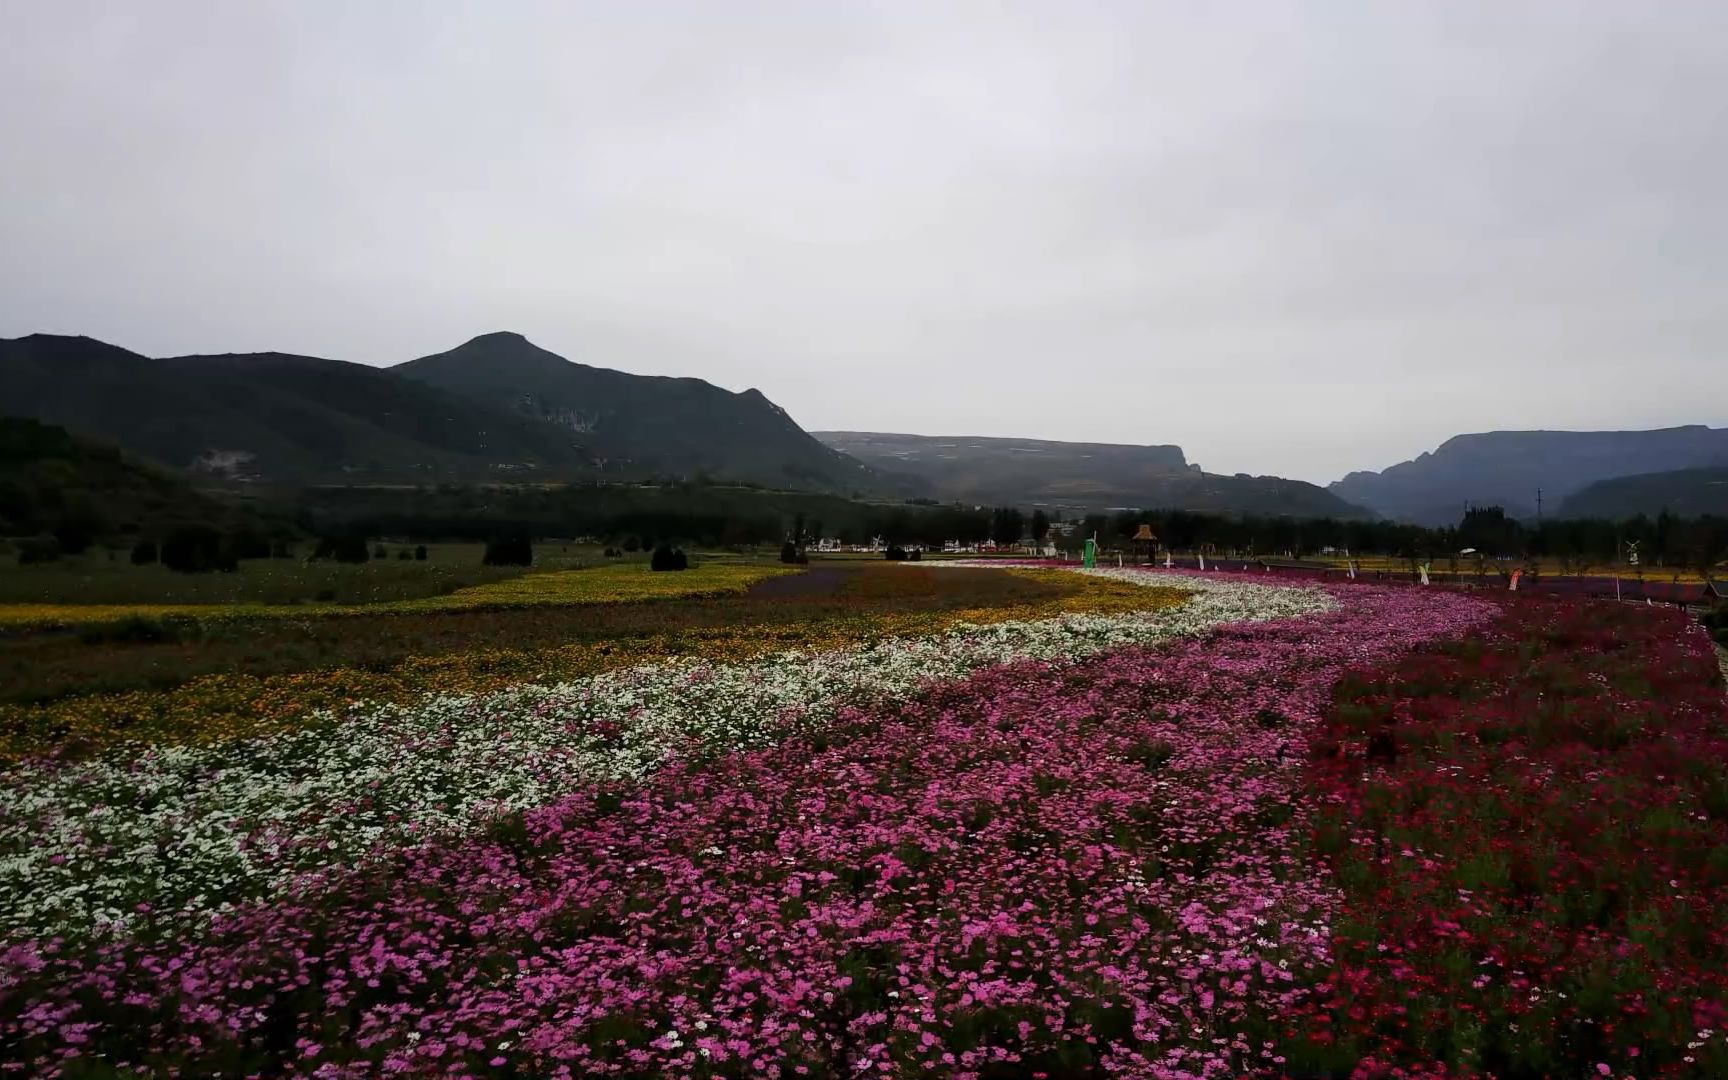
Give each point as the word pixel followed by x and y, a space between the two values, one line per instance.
pixel 1145 541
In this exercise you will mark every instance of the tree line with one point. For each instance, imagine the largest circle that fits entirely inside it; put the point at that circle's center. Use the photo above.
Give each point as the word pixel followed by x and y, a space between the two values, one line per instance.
pixel 1661 541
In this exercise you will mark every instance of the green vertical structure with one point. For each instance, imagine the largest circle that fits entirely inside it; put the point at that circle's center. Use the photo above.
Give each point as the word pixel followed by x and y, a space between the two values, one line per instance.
pixel 1090 559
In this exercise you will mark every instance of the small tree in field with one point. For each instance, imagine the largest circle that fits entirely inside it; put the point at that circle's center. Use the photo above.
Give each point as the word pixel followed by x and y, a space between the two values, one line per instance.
pixel 512 550
pixel 667 557
pixel 195 549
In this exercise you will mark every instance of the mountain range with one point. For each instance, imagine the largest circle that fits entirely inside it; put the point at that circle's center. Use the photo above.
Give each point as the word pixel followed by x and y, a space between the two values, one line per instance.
pixel 497 407
pixel 1509 468
pixel 1080 476
pixel 500 408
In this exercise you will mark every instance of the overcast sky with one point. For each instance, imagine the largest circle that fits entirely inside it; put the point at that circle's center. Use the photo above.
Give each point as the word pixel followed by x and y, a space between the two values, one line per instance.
pixel 1293 238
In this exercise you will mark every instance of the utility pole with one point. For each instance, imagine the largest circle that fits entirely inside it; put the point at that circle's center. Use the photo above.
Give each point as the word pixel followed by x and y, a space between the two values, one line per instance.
pixel 1538 506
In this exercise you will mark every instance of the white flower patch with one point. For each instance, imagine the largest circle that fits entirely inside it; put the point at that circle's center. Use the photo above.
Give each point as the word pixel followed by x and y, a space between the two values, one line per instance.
pixel 185 831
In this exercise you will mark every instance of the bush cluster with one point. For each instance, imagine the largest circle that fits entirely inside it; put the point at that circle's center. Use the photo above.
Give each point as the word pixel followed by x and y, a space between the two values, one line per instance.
pixel 667 557
pixel 512 550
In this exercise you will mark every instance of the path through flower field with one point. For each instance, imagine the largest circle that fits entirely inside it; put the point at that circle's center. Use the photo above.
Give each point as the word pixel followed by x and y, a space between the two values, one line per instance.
pixel 1242 829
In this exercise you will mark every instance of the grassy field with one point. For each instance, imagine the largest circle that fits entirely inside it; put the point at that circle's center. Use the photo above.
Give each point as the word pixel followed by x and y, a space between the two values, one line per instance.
pixel 103 577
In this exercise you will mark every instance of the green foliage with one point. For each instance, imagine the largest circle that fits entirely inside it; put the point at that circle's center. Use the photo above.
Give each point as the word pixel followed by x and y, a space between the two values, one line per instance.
pixel 1716 621
pixel 137 630
pixel 1040 525
pixel 513 549
pixel 196 549
pixel 666 557
pixel 343 548
pixel 1007 524
pixel 82 492
pixel 35 550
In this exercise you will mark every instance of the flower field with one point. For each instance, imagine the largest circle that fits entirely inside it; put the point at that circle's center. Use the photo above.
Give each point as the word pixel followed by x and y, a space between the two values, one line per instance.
pixel 1171 825
pixel 220 707
pixel 606 584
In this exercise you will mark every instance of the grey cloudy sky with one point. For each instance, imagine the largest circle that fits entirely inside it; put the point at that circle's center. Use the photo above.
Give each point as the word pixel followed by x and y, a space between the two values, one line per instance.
pixel 1293 238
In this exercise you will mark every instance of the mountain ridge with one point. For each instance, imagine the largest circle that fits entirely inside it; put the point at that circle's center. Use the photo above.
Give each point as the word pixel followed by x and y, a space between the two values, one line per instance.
pixel 1081 476
pixel 1507 468
pixel 652 423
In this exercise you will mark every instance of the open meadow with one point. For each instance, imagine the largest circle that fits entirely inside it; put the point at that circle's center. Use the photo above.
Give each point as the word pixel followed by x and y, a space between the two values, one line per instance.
pixel 855 818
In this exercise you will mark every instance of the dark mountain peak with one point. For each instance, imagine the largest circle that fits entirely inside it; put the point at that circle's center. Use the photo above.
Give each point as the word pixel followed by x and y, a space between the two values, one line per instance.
pixel 644 425
pixel 64 348
pixel 502 356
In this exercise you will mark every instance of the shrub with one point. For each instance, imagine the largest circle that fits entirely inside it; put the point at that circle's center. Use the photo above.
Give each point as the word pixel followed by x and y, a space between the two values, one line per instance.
pixel 895 553
pixel 247 543
pixel 344 549
pixel 667 557
pixel 380 552
pixel 144 553
pixel 405 555
pixel 511 550
pixel 632 543
pixel 134 630
pixel 420 553
pixel 789 553
pixel 74 536
pixel 1716 621
pixel 915 554
pixel 38 549
pixel 195 549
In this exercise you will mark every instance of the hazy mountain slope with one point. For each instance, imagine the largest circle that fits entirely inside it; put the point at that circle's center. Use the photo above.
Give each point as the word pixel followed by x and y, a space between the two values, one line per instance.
pixel 1506 467
pixel 268 414
pixel 54 482
pixel 1078 476
pixel 1683 492
pixel 640 424
pixel 495 408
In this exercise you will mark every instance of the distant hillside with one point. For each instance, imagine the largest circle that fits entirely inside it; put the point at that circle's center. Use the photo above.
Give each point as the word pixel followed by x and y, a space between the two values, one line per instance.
pixel 268 415
pixel 1079 476
pixel 1505 468
pixel 496 408
pixel 54 482
pixel 642 424
pixel 1682 492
